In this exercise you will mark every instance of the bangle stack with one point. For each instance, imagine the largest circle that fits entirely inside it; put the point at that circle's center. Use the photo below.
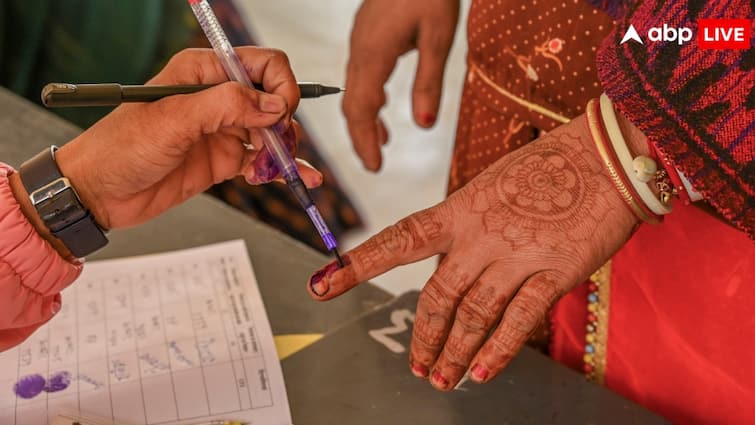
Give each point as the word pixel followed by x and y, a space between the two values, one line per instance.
pixel 629 175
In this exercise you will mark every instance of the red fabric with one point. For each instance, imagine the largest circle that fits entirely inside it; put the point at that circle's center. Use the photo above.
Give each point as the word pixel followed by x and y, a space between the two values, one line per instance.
pixel 681 332
pixel 696 105
pixel 568 321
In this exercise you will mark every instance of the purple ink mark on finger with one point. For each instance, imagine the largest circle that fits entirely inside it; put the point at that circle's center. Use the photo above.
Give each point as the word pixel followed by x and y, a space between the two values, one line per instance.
pixel 289 139
pixel 58 382
pixel 329 269
pixel 29 386
pixel 265 168
pixel 325 272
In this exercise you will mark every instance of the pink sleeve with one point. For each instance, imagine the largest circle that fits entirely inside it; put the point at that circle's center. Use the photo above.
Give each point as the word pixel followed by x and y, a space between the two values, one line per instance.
pixel 32 273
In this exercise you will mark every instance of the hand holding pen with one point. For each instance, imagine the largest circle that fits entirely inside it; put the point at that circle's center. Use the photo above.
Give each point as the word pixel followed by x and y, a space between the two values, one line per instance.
pixel 271 136
pixel 276 151
pixel 144 158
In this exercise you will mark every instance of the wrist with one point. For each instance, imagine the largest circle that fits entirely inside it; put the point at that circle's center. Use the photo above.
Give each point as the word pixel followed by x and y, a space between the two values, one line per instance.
pixel 58 205
pixel 69 163
pixel 22 196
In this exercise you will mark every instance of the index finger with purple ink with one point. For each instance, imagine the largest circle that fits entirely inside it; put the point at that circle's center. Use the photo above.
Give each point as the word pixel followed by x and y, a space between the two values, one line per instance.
pixel 416 237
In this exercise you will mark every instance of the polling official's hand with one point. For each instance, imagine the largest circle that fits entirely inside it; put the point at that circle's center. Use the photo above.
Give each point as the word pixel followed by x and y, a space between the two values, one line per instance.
pixel 513 241
pixel 383 31
pixel 142 159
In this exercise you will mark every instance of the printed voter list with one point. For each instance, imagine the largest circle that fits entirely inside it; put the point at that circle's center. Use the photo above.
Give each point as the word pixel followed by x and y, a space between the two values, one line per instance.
pixel 173 338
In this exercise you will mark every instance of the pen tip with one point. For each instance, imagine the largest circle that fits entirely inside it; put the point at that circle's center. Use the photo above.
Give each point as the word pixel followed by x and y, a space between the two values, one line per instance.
pixel 331 90
pixel 338 257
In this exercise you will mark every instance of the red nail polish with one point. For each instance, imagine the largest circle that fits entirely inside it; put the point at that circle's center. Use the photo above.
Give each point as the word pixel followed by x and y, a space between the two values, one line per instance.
pixel 419 370
pixel 439 380
pixel 479 373
pixel 427 118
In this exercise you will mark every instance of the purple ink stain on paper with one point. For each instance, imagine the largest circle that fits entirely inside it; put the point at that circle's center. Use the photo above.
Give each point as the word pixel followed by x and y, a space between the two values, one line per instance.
pixel 29 386
pixel 58 382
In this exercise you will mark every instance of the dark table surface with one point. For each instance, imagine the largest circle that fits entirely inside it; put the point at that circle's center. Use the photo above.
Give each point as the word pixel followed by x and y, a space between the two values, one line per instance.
pixel 360 374
pixel 343 378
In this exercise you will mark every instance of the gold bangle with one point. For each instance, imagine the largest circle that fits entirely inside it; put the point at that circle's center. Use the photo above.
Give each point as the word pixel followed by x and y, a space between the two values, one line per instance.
pixel 598 138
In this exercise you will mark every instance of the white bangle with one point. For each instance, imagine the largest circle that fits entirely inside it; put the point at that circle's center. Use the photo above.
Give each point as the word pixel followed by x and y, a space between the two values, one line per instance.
pixel 694 195
pixel 625 158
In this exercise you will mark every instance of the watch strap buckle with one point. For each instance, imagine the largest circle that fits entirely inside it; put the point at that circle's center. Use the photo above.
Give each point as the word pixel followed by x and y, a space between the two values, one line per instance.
pixel 51 189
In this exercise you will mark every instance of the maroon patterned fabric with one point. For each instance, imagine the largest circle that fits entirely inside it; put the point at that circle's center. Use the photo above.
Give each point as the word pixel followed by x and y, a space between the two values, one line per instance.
pixel 697 106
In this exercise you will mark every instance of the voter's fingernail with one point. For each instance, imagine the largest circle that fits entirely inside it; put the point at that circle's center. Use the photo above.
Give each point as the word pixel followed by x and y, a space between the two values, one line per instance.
pixel 438 380
pixel 479 373
pixel 419 370
pixel 318 281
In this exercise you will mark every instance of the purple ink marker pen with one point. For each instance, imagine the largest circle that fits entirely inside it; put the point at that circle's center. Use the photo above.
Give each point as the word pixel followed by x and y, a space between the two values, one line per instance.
pixel 270 136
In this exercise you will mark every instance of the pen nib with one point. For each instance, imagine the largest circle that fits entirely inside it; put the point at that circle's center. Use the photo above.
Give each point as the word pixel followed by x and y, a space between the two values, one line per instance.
pixel 331 90
pixel 338 257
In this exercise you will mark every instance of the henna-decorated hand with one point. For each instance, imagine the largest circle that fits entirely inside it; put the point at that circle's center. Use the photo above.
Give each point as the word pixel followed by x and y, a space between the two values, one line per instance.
pixel 514 240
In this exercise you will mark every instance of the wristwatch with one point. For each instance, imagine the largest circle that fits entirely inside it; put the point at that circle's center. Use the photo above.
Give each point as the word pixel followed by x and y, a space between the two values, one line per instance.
pixel 59 206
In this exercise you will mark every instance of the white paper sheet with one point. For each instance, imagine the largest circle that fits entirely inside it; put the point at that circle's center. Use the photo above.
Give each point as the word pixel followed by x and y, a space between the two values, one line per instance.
pixel 174 338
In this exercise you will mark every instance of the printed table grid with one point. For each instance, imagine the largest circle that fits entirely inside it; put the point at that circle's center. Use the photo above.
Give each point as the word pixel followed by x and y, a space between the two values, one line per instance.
pixel 137 355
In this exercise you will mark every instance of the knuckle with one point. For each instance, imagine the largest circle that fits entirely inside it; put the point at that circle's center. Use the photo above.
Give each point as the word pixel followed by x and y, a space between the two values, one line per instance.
pixel 429 332
pixel 351 108
pixel 545 289
pixel 184 55
pixel 235 96
pixel 439 43
pixel 451 280
pixel 458 352
pixel 278 55
pixel 524 316
pixel 428 224
pixel 426 86
pixel 474 317
pixel 504 347
pixel 398 238
pixel 362 105
pixel 434 299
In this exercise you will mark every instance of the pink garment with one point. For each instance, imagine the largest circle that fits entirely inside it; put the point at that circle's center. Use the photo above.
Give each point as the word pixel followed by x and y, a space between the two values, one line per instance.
pixel 32 273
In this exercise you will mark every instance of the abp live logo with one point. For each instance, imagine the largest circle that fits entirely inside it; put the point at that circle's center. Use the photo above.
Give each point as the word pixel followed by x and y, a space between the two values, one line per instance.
pixel 712 34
